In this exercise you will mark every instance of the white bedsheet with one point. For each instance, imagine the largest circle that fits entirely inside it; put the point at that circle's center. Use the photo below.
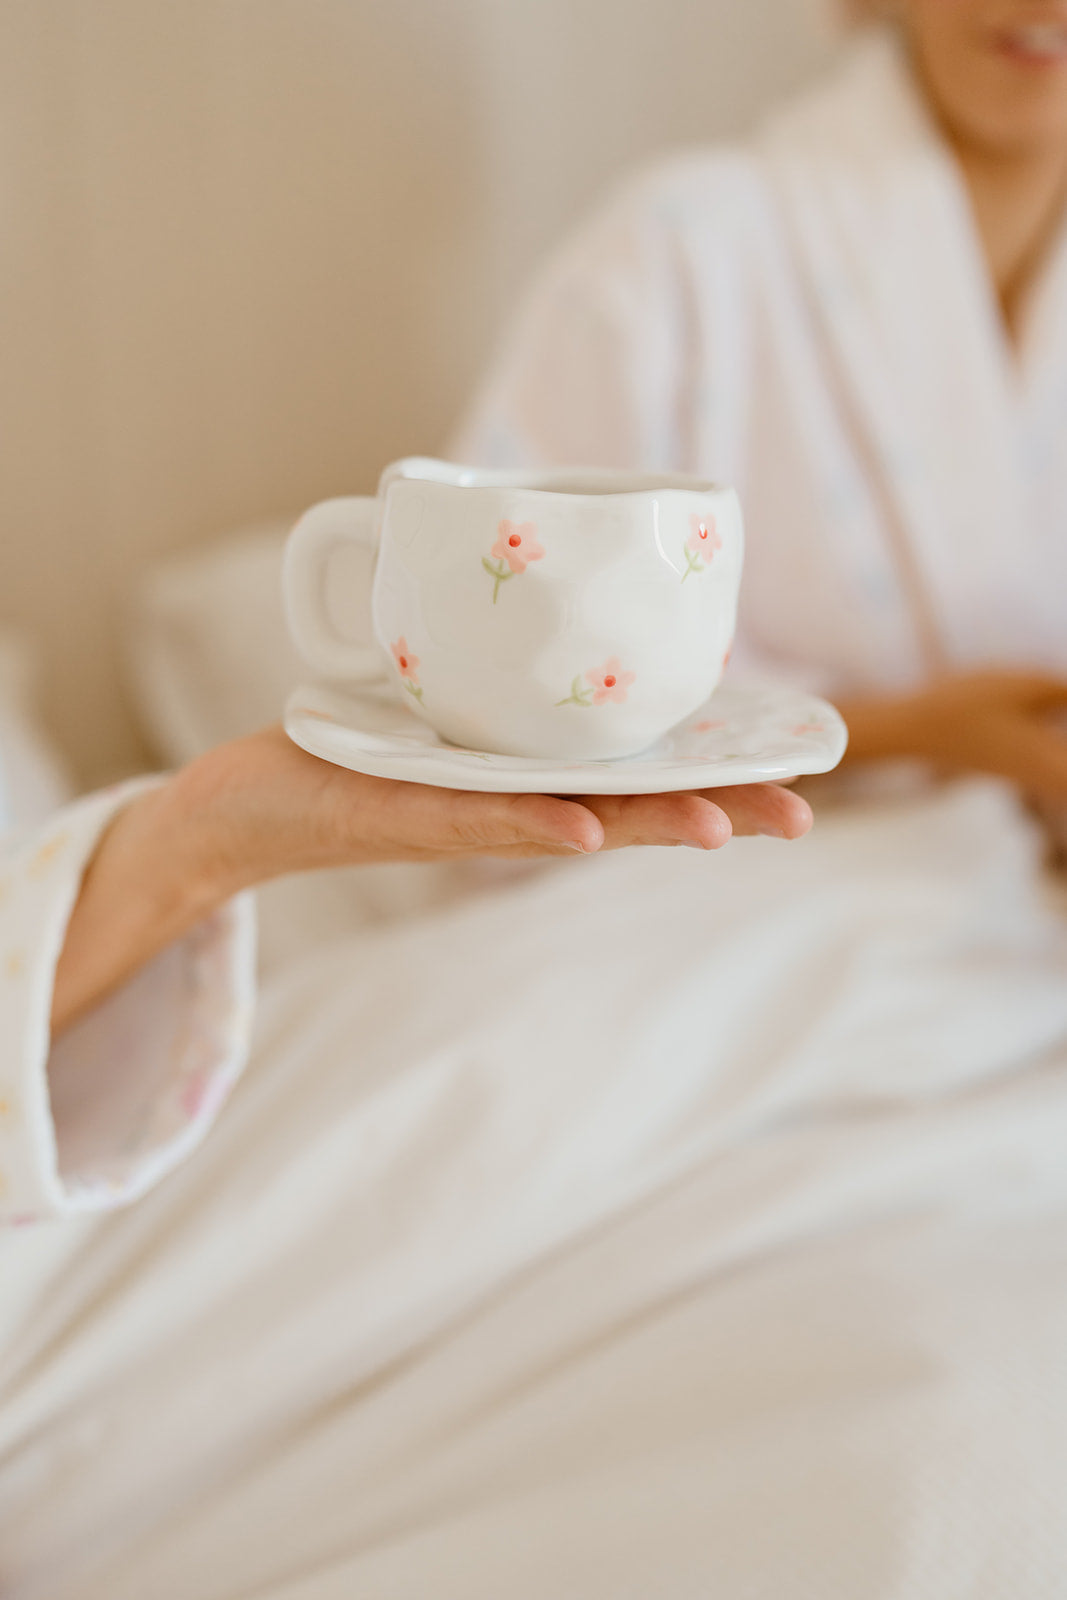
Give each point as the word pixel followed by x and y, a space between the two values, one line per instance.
pixel 664 1227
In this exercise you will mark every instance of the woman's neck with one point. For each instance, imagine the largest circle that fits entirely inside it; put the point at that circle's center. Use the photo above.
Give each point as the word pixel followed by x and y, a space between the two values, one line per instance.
pixel 1018 204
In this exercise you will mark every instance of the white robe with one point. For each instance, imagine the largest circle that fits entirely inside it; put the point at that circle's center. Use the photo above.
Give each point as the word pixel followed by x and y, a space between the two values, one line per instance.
pixel 810 319
pixel 661 1227
pixel 96 1118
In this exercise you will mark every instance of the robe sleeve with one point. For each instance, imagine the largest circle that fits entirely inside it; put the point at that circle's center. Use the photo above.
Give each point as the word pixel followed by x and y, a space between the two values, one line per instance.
pixel 94 1119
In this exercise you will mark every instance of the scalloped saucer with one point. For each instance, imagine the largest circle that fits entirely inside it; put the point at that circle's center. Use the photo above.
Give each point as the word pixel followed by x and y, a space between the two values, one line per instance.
pixel 749 734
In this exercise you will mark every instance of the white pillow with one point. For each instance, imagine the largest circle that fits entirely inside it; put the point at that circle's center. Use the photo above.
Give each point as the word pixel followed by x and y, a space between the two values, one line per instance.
pixel 210 659
pixel 33 781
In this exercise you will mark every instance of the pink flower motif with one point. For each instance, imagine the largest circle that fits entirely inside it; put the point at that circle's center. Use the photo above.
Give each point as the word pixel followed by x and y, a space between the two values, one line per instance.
pixel 804 728
pixel 704 537
pixel 610 682
pixel 517 544
pixel 406 664
pixel 707 726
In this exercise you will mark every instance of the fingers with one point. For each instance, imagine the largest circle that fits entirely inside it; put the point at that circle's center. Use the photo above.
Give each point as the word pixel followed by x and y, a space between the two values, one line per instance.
pixel 493 822
pixel 544 824
pixel 1040 691
pixel 660 819
pixel 705 820
pixel 1032 755
pixel 764 808
pixel 993 689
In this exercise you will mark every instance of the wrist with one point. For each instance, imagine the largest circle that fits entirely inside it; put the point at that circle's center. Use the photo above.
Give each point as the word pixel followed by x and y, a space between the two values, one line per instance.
pixel 209 860
pixel 146 885
pixel 889 728
pixel 164 851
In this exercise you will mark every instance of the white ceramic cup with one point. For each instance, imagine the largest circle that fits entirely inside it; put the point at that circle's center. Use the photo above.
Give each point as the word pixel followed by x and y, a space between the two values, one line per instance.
pixel 567 615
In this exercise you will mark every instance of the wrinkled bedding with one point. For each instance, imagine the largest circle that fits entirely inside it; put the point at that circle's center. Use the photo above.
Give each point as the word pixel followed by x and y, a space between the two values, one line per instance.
pixel 666 1226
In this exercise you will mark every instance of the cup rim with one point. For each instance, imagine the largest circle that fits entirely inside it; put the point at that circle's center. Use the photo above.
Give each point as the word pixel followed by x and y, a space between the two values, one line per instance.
pixel 557 483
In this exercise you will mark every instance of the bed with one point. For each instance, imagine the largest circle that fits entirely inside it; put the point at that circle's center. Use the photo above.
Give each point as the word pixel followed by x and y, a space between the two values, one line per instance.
pixel 645 1228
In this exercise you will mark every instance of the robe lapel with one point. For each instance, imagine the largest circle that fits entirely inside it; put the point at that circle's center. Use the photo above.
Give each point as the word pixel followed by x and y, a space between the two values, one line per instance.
pixel 1043 353
pixel 886 246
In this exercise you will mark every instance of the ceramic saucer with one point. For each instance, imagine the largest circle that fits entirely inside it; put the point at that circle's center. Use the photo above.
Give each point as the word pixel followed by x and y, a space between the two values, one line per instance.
pixel 741 735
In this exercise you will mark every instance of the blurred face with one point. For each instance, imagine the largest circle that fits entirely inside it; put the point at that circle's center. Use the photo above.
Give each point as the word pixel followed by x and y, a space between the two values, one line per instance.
pixel 996 70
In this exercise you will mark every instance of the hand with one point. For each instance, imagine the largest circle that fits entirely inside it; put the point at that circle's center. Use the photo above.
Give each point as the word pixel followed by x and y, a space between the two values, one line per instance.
pixel 260 807
pixel 996 722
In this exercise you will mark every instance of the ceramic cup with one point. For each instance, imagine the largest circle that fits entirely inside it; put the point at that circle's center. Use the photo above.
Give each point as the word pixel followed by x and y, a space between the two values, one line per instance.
pixel 572 615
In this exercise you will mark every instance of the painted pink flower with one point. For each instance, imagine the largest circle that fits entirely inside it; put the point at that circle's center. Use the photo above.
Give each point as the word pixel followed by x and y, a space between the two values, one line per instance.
pixel 407 664
pixel 408 667
pixel 707 726
pixel 704 539
pixel 517 544
pixel 610 682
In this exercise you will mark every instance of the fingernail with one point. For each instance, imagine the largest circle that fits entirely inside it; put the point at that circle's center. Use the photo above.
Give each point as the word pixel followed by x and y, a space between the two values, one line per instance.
pixel 773 833
pixel 570 844
pixel 693 844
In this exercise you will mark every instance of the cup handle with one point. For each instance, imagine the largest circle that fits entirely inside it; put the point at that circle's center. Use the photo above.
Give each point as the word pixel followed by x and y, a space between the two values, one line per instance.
pixel 319 534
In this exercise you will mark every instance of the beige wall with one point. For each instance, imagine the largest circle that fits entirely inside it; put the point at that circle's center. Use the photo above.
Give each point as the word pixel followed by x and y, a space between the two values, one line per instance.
pixel 251 249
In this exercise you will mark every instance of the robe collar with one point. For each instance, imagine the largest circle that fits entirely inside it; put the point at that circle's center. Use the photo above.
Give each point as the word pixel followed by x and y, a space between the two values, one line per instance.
pixel 878 218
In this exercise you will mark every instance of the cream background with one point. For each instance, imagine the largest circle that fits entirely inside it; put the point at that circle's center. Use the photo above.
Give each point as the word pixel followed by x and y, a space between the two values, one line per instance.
pixel 252 249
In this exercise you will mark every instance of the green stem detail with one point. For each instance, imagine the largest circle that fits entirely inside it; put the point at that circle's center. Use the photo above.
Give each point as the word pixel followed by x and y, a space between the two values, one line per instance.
pixel 578 696
pixel 499 574
pixel 413 691
pixel 693 564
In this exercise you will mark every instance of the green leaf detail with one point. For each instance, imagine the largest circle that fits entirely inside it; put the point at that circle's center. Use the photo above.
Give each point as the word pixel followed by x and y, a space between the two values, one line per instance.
pixel 693 564
pixel 499 574
pixel 578 696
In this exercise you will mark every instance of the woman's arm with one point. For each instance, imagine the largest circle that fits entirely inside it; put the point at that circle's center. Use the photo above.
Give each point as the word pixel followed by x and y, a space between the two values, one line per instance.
pixel 996 722
pixel 260 807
